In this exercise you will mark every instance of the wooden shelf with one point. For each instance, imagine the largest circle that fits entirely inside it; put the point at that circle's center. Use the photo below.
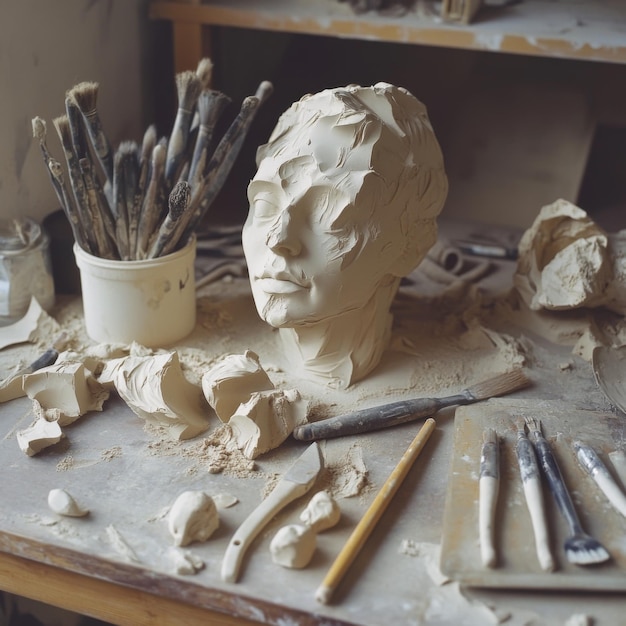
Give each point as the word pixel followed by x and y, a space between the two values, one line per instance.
pixel 571 29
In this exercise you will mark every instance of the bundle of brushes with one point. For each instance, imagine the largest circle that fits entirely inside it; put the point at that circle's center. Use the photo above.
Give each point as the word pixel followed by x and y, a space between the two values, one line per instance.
pixel 142 202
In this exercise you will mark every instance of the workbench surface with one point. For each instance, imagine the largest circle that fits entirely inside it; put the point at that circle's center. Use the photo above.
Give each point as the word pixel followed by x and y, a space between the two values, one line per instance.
pixel 114 563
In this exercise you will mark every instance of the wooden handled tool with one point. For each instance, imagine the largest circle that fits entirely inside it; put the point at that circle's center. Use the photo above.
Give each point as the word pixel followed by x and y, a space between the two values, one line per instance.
pixel 368 522
pixel 298 479
pixel 386 415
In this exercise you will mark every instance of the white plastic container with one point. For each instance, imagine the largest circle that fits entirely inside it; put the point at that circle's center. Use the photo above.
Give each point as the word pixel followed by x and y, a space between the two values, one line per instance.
pixel 152 302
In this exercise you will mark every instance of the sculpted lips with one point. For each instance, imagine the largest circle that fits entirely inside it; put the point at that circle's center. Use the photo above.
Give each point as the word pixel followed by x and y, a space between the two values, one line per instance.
pixel 281 283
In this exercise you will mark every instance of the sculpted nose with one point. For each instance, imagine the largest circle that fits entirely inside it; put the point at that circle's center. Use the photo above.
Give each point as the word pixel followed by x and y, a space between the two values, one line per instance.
pixel 282 237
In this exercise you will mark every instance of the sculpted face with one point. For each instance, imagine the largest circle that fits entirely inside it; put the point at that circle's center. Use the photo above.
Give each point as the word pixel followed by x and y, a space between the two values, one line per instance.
pixel 328 224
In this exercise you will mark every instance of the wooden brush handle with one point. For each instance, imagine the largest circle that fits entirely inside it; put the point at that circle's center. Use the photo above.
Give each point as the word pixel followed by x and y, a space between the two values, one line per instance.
pixel 374 418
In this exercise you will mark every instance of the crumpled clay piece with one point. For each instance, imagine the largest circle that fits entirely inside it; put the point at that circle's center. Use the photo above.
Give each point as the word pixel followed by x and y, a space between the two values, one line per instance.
pixel 293 546
pixel 68 387
pixel 12 387
pixel 564 260
pixel 155 389
pixel 193 517
pixel 184 562
pixel 40 434
pixel 61 502
pixel 232 381
pixel 266 420
pixel 322 512
pixel 25 329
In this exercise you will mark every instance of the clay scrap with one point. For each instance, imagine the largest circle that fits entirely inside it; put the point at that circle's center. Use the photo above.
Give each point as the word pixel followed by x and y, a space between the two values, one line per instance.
pixel 293 546
pixel 28 327
pixel 566 261
pixel 266 420
pixel 40 434
pixel 155 389
pixel 259 417
pixel 61 502
pixel 193 517
pixel 232 381
pixel 67 387
pixel 322 512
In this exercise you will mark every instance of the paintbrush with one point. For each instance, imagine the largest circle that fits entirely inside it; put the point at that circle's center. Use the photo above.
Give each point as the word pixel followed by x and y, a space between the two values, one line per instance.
pixel 178 202
pixel 98 211
pixel 100 222
pixel 55 172
pixel 151 208
pixel 77 184
pixel 204 71
pixel 85 95
pixel 223 159
pixel 71 213
pixel 211 105
pixel 130 163
pixel 147 147
pixel 123 194
pixel 394 413
pixel 531 484
pixel 593 465
pixel 580 548
pixel 488 485
pixel 188 87
pixel 373 514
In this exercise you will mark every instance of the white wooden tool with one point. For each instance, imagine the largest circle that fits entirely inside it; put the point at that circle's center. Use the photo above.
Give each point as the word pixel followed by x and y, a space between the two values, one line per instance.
pixel 298 479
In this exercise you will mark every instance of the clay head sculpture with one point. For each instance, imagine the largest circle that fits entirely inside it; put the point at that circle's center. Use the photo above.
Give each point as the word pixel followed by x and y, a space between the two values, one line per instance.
pixel 343 205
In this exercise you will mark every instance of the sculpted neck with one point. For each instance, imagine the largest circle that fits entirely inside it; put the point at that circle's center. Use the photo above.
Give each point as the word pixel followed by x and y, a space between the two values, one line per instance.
pixel 343 349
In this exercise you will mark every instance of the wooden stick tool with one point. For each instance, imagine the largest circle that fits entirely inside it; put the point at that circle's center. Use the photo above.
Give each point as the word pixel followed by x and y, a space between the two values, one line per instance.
pixel 368 522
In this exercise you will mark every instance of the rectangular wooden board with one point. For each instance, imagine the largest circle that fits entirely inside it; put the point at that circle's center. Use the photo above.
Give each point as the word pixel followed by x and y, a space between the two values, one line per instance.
pixel 518 566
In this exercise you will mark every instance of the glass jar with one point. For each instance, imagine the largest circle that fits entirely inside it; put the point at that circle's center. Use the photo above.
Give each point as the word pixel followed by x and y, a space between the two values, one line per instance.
pixel 25 268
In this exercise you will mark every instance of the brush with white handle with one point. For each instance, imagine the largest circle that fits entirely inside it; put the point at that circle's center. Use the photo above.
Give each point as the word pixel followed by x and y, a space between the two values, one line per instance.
pixel 533 492
pixel 593 465
pixel 488 486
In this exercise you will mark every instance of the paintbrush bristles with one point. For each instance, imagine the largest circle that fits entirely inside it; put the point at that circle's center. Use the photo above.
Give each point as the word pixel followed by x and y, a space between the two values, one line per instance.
pixel 39 128
pixel 179 199
pixel 188 88
pixel 86 96
pixel 204 71
pixel 499 385
pixel 534 425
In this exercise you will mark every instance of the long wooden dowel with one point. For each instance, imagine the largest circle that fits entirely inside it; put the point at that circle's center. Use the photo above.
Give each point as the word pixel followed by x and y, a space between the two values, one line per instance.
pixel 369 520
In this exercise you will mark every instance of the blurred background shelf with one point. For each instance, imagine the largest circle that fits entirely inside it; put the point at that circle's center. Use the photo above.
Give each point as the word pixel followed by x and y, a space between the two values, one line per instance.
pixel 594 31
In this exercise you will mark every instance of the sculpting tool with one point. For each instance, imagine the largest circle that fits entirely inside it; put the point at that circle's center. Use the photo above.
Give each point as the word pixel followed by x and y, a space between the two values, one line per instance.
pixel 488 485
pixel 395 413
pixel 580 548
pixel 373 514
pixel 298 479
pixel 592 463
pixel 531 483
